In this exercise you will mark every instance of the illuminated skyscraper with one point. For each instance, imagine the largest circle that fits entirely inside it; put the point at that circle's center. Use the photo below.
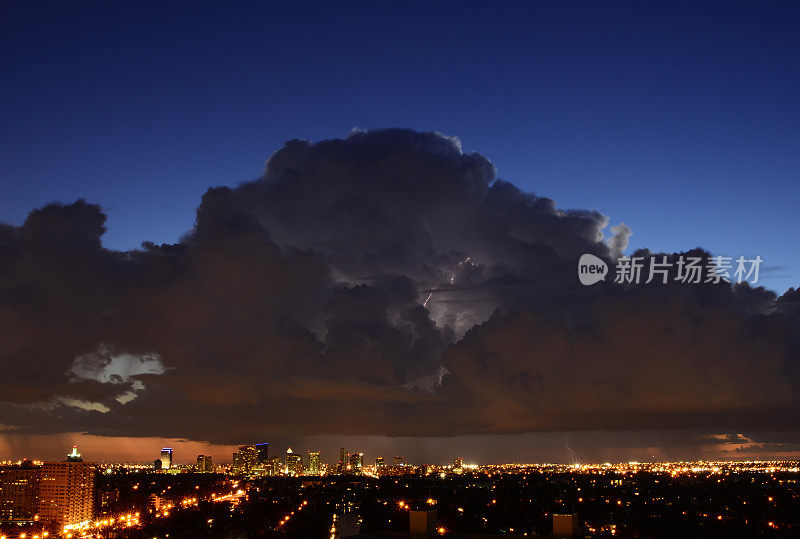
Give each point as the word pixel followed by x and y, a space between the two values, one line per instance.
pixel 67 492
pixel 248 457
pixel 343 460
pixel 458 465
pixel 275 466
pixel 314 462
pixel 357 463
pixel 294 462
pixel 74 456
pixel 204 464
pixel 379 463
pixel 262 453
pixel 19 491
pixel 166 458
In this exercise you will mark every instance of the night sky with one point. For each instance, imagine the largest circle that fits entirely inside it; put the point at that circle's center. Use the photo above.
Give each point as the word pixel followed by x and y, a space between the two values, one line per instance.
pixel 359 224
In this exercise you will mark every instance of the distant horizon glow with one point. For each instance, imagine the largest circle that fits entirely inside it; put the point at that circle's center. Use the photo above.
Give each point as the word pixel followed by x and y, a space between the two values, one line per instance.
pixel 417 451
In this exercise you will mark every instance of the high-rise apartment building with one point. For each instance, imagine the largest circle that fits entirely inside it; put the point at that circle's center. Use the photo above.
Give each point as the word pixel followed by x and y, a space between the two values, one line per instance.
pixel 19 491
pixel 67 492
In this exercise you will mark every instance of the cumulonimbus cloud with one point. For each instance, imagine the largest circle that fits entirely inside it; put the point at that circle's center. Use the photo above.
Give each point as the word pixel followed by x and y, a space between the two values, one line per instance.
pixel 385 283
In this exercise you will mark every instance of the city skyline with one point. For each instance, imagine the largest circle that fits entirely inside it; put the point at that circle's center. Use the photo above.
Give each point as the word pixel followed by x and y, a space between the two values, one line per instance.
pixel 185 452
pixel 73 498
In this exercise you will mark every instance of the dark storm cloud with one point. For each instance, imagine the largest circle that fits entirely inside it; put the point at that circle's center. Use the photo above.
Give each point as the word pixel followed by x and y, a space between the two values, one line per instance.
pixel 654 357
pixel 383 284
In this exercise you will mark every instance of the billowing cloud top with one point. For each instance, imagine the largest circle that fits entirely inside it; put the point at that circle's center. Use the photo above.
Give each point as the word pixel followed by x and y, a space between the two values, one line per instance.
pixel 386 283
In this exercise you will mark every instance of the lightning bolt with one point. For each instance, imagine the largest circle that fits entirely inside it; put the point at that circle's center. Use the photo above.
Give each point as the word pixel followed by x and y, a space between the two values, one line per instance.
pixel 455 268
pixel 571 452
pixel 452 277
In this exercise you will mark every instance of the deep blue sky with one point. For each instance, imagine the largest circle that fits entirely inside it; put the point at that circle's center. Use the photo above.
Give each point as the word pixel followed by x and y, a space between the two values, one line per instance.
pixel 681 120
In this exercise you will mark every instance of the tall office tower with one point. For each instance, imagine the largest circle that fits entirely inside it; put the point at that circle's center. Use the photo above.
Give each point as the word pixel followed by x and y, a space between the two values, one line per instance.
pixel 66 493
pixel 166 458
pixel 74 456
pixel 19 491
pixel 458 465
pixel 294 462
pixel 357 463
pixel 262 453
pixel 314 462
pixel 237 462
pixel 343 460
pixel 248 457
pixel 399 461
pixel 204 464
pixel 275 466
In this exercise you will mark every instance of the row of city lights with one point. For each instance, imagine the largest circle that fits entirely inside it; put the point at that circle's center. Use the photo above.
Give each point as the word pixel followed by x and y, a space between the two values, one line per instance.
pixel 285 519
